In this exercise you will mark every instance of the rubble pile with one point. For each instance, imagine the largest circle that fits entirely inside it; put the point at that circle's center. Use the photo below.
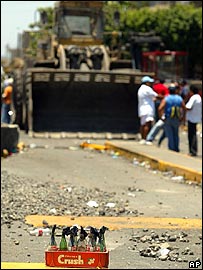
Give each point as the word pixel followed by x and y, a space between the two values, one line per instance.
pixel 22 196
pixel 165 245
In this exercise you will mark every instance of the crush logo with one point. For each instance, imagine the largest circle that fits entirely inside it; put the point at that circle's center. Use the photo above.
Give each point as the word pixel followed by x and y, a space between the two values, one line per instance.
pixel 63 259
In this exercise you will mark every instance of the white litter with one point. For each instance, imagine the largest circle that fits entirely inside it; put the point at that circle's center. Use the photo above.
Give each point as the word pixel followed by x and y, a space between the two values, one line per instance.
pixel 33 145
pixel 53 211
pixel 131 194
pixel 69 189
pixel 110 204
pixel 178 178
pixel 164 251
pixel 92 204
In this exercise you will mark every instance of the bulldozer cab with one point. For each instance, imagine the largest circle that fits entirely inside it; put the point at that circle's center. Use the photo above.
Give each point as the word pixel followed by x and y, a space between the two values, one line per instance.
pixel 78 22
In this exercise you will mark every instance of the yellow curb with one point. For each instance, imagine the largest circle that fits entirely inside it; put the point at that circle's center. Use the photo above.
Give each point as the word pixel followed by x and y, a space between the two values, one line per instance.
pixel 158 164
pixel 117 223
pixel 17 265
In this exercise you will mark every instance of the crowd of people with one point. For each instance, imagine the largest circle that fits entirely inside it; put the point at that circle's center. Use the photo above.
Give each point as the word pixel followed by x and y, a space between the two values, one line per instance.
pixel 160 107
pixel 166 107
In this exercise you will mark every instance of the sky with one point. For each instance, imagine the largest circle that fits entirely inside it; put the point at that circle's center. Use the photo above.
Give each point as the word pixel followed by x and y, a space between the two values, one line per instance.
pixel 15 18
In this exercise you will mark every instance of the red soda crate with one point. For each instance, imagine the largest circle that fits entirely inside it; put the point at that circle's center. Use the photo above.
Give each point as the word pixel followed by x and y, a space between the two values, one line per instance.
pixel 77 259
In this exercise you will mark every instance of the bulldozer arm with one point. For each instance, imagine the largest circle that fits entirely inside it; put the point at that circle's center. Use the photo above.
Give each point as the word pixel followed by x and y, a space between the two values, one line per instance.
pixel 76 101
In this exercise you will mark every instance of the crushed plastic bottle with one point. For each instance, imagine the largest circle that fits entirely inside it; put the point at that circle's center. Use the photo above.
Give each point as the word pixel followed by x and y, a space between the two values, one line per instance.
pixel 115 154
pixel 110 205
pixel 177 178
pixel 33 145
pixel 135 162
pixel 40 232
pixel 92 204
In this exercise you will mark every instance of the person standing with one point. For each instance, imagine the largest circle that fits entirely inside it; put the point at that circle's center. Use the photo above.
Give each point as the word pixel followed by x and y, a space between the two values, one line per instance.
pixel 146 108
pixel 170 107
pixel 6 101
pixel 193 117
pixel 155 130
pixel 184 90
pixel 161 89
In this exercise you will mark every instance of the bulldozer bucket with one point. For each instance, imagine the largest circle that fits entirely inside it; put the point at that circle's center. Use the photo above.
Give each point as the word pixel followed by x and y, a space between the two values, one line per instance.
pixel 76 101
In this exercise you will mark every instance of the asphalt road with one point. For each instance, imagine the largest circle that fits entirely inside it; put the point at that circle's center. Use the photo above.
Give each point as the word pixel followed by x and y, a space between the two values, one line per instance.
pixel 152 194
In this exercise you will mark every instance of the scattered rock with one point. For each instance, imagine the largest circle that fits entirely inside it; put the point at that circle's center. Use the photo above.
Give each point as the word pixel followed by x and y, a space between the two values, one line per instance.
pixel 154 248
pixel 35 198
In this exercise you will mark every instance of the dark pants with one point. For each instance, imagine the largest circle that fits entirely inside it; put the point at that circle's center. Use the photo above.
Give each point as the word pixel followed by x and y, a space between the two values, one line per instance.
pixel 5 117
pixel 172 133
pixel 192 138
pixel 157 103
pixel 162 137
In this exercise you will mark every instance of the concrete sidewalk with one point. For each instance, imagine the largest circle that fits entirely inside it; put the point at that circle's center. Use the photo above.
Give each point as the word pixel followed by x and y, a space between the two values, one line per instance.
pixel 162 159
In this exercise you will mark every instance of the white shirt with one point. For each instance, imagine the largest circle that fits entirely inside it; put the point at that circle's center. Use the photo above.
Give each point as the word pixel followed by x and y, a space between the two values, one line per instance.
pixel 195 104
pixel 146 97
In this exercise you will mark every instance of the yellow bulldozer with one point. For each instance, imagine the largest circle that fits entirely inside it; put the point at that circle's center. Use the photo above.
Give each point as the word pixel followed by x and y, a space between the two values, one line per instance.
pixel 75 83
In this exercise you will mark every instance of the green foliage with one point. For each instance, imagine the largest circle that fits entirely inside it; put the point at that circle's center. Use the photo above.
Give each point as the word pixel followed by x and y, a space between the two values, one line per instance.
pixel 34 38
pixel 181 29
pixel 50 18
pixel 179 26
pixel 42 30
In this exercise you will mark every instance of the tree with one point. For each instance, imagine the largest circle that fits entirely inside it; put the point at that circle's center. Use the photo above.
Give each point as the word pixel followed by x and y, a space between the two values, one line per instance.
pixel 44 28
pixel 46 19
pixel 179 26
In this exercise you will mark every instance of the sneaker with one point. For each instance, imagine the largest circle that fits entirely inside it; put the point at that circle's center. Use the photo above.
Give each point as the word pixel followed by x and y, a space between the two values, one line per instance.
pixel 192 155
pixel 142 141
pixel 149 143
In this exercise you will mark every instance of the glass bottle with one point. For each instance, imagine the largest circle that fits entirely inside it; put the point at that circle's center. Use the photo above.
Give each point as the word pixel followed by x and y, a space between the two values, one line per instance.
pixel 63 242
pixel 81 243
pixel 53 244
pixel 72 245
pixel 91 238
pixel 101 244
